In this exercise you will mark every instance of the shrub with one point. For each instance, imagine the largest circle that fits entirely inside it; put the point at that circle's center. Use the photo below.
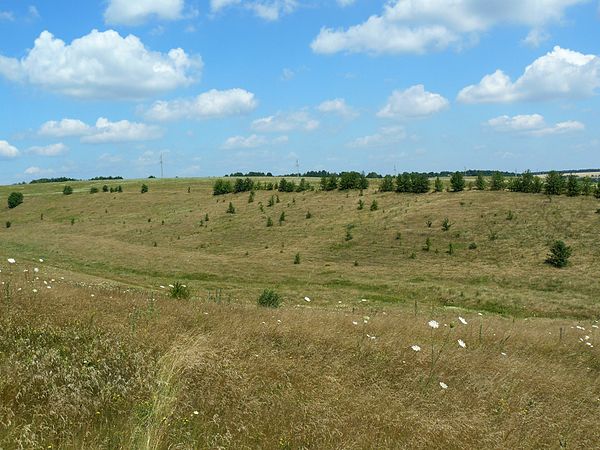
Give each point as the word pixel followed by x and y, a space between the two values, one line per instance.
pixel 559 254
pixel 269 299
pixel 446 224
pixel 438 186
pixel 573 187
pixel 361 205
pixel 297 258
pixel 597 193
pixel 105 188
pixel 251 197
pixel 450 250
pixel 329 183
pixel 555 183
pixel 144 188
pixel 497 183
pixel 308 215
pixel 93 190
pixel 586 186
pixel 15 199
pixel 427 245
pixel 179 291
pixel 271 201
pixel 286 186
pixel 472 246
pixel 374 205
pixel 68 190
pixel 387 184
pixel 269 222
pixel 230 209
pixel 8 224
pixel 353 180
pixel 282 217
pixel 222 187
pixel 457 182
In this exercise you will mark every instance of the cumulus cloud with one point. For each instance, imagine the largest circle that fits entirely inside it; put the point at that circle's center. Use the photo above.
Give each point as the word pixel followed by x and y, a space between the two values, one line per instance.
pixel 252 141
pixel 104 131
pixel 7 150
pixel 413 102
pixel 269 10
pixel 533 125
pixel 337 106
pixel 208 105
pixel 66 127
pixel 35 170
pixel 384 137
pixel 101 65
pixel 417 26
pixel 127 12
pixel 284 122
pixel 560 73
pixel 49 150
pixel 7 15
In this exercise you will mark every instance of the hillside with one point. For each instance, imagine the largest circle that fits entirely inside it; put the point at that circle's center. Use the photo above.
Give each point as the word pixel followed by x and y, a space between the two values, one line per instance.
pixel 94 353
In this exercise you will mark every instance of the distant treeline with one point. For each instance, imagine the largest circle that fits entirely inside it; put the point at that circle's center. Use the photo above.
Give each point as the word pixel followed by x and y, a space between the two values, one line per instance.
pixel 375 175
pixel 566 172
pixel 65 179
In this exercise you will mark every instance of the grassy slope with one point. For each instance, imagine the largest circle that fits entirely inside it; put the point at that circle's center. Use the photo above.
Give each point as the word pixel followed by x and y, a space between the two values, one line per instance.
pixel 104 359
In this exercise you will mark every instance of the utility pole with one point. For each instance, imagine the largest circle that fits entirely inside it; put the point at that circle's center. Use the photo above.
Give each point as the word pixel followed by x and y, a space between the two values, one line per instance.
pixel 298 168
pixel 161 165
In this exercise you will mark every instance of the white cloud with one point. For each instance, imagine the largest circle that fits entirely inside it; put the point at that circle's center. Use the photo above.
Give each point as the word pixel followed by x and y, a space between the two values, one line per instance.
pixel 533 125
pixel 101 65
pixel 384 137
pixel 287 74
pixel 208 105
pixel 127 12
pixel 536 37
pixel 284 122
pixel 252 141
pixel 66 127
pixel 269 10
pixel 418 26
pixel 7 15
pixel 337 106
pixel 413 102
pixel 34 170
pixel 33 12
pixel 7 150
pixel 344 3
pixel 49 150
pixel 103 131
pixel 560 73
pixel 106 131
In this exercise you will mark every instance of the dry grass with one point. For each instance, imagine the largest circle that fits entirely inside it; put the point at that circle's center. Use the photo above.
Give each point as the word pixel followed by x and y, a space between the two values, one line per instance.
pixel 105 359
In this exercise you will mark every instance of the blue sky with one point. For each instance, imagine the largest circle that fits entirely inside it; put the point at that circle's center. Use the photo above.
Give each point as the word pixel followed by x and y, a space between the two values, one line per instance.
pixel 216 86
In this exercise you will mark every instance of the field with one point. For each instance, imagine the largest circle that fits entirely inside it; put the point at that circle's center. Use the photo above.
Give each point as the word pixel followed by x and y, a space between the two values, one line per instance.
pixel 94 353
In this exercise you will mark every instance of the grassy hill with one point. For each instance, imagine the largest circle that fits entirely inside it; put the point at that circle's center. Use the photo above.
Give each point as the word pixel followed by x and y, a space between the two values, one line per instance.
pixel 104 358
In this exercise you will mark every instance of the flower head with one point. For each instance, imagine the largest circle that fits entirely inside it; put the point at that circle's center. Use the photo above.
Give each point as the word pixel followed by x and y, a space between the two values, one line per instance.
pixel 416 348
pixel 11 260
pixel 306 299
pixel 463 321
pixel 433 324
pixel 443 385
pixel 462 343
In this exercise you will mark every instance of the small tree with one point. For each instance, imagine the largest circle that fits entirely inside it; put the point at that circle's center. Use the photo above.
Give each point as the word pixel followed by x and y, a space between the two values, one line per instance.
pixel 230 209
pixel 282 218
pixel 179 291
pixel 297 258
pixel 374 205
pixel 438 186
pixel 573 187
pixel 119 189
pixel 269 222
pixel 597 193
pixel 555 183
pixel 446 224
pixel 269 299
pixel 93 190
pixel 497 183
pixel 144 188
pixel 15 199
pixel 387 184
pixel 361 205
pixel 480 183
pixel 457 182
pixel 68 190
pixel 427 245
pixel 559 254
pixel 105 188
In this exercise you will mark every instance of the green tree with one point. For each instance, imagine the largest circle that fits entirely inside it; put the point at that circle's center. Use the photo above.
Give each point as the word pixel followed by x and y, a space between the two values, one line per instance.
pixel 480 183
pixel 15 199
pixel 144 188
pixel 497 183
pixel 221 187
pixel 387 184
pixel 105 188
pixel 573 187
pixel 559 254
pixel 597 192
pixel 374 205
pixel 438 186
pixel 230 209
pixel 555 183
pixel 269 299
pixel 68 190
pixel 93 190
pixel 457 182
pixel 586 186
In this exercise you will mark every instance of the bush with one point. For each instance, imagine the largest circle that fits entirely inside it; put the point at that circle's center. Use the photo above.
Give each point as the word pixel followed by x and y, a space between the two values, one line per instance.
pixel 457 182
pixel 68 190
pixel 446 224
pixel 597 193
pixel 374 206
pixel 555 183
pixel 230 209
pixel 179 291
pixel 8 224
pixel 438 186
pixel 559 254
pixel 361 205
pixel 105 188
pixel 15 199
pixel 387 184
pixel 222 187
pixel 497 183
pixel 282 217
pixel 269 299
pixel 480 183
pixel 93 190
pixel 297 258
pixel 573 187
pixel 472 246
pixel 144 188
pixel 308 215
pixel 427 245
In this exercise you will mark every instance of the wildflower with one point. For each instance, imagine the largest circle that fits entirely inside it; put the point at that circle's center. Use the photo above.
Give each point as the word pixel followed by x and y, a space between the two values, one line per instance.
pixel 503 354
pixel 371 337
pixel 162 287
pixel 36 270
pixel 11 260
pixel 355 322
pixel 463 321
pixel 443 385
pixel 35 291
pixel 364 300
pixel 580 328
pixel 196 413
pixel 416 348
pixel 41 260
pixel 306 299
pixel 433 324
pixel 462 343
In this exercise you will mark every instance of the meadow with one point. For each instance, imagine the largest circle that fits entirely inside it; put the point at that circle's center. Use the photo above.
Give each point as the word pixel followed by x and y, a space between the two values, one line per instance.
pixel 393 333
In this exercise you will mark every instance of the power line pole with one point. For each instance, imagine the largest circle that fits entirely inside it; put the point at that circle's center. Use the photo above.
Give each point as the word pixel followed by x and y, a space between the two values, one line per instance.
pixel 161 165
pixel 298 168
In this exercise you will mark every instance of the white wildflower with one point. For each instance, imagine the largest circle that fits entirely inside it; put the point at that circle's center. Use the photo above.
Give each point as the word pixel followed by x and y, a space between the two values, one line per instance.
pixel 443 385
pixel 416 348
pixel 11 260
pixel 462 343
pixel 307 299
pixel 433 324
pixel 463 321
